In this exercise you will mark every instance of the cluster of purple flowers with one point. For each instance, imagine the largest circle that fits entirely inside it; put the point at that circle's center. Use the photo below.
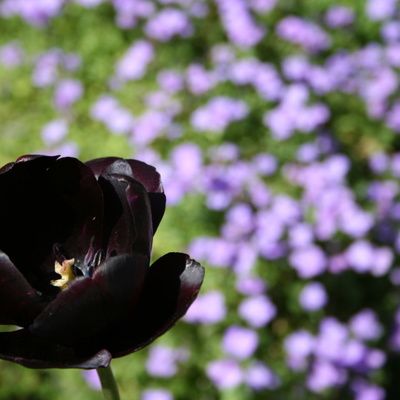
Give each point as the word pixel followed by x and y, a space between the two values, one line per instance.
pixel 303 201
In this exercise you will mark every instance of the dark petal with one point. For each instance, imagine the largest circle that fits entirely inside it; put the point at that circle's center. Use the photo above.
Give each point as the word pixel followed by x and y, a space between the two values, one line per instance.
pixel 172 284
pixel 99 165
pixel 76 188
pixel 146 174
pixel 28 216
pixel 25 158
pixel 131 231
pixel 157 204
pixel 19 302
pixel 89 305
pixel 33 352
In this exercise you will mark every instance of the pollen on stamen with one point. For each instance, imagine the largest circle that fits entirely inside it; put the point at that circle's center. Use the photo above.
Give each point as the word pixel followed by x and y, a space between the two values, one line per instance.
pixel 66 272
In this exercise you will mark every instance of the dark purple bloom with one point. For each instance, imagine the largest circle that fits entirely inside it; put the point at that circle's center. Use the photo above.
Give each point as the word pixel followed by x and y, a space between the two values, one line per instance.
pixel 74 263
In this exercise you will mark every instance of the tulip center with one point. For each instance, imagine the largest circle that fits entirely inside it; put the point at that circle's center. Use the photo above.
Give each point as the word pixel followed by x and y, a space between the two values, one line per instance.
pixel 65 271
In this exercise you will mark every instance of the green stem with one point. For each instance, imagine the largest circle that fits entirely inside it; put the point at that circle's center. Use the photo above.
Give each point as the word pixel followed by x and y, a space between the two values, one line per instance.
pixel 108 384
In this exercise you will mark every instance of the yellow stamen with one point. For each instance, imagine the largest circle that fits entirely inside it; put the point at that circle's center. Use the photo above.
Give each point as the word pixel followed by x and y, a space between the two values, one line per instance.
pixel 66 272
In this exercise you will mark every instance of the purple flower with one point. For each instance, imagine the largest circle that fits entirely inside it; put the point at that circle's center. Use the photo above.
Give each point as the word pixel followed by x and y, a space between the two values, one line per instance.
pixel 11 55
pixel 67 92
pixel 45 70
pixel 168 23
pixel 128 12
pixel 262 6
pixel 257 311
pixel 258 376
pixel 360 255
pixel 54 131
pixel 308 261
pixel 162 361
pixel 250 285
pixel 265 164
pixel 238 23
pixel 199 79
pixel 134 63
pixel 295 67
pixel 339 16
pixel 391 31
pixel 171 81
pixel 207 309
pixel 325 375
pixel 240 342
pixel 331 339
pixel 353 353
pixel 92 379
pixel 35 12
pixel 218 113
pixel 366 391
pixel 313 297
pixel 150 125
pixel 378 162
pixel 304 33
pixel 225 373
pixel 298 347
pixel 365 325
pixel 378 10
pixel 156 394
pixel 300 235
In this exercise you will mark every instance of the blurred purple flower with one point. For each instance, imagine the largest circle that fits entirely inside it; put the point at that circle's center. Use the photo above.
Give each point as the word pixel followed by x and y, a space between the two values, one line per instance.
pixel 378 10
pixel 148 126
pixel 295 67
pixel 298 346
pixel 308 261
pixel 156 394
pixel 259 377
pixel 35 12
pixel 240 342
pixel 378 162
pixel 367 391
pixel 171 81
pixel 168 23
pixel 331 339
pixel 365 325
pixel 129 11
pixel 67 92
pixel 208 308
pixel 313 296
pixel 251 286
pixel 339 16
pixel 262 6
pixel 92 379
pixel 257 310
pixel 304 33
pixel 46 68
pixel 300 235
pixel 199 80
pixel 11 55
pixel 134 63
pixel 225 373
pixel 360 255
pixel 325 375
pixel 265 164
pixel 54 131
pixel 238 23
pixel 218 113
pixel 162 361
pixel 391 31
